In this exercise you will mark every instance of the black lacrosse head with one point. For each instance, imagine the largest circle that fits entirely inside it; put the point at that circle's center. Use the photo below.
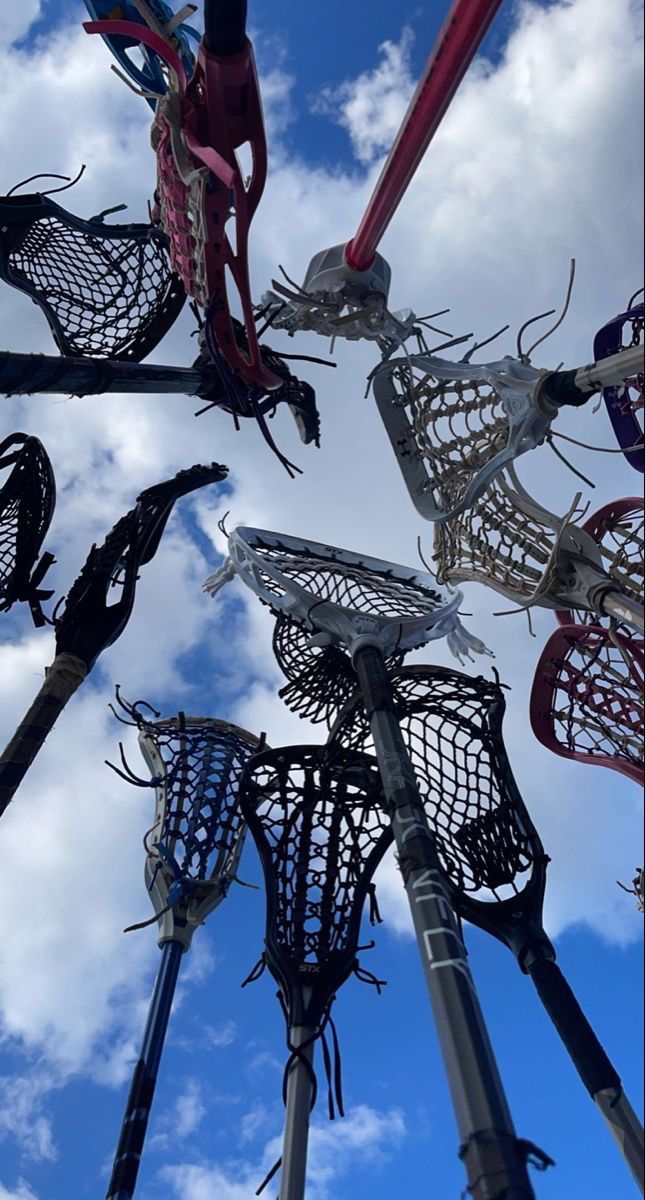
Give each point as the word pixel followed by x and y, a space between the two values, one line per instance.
pixel 108 291
pixel 27 501
pixel 89 623
pixel 321 678
pixel 488 846
pixel 318 821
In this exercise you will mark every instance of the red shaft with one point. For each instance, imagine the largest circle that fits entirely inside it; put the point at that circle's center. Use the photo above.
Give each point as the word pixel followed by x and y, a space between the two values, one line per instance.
pixel 458 41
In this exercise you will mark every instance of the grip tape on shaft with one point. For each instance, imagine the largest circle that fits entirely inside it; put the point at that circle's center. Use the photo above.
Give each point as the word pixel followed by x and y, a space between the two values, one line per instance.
pixel 589 1057
pixel 133 1133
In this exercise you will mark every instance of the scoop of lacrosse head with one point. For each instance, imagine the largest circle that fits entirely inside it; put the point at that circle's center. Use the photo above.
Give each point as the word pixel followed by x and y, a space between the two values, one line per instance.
pixel 197 130
pixel 489 849
pixel 617 528
pixel 194 845
pixel 27 501
pixel 321 678
pixel 511 543
pixel 587 698
pixel 92 620
pixel 345 597
pixel 149 77
pixel 318 821
pixel 625 401
pixel 107 291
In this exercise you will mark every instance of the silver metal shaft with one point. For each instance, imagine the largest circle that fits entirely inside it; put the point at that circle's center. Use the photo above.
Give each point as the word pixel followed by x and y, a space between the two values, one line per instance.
pixel 296 1125
pixel 610 371
pixel 626 1129
pixel 624 609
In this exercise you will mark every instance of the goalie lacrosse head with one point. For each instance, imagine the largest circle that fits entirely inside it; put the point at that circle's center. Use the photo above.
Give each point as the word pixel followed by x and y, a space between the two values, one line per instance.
pixel 454 426
pixel 351 598
pixel 195 843
pixel 617 528
pixel 587 698
pixel 489 849
pixel 510 543
pixel 27 500
pixel 107 291
pixel 157 15
pixel 89 622
pixel 321 679
pixel 318 822
pixel 625 403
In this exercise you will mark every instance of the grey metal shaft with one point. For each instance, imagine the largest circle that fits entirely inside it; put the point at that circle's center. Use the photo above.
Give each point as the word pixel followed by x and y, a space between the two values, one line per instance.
pixel 296 1126
pixel 624 609
pixel 626 1129
pixel 30 374
pixel 494 1159
pixel 610 371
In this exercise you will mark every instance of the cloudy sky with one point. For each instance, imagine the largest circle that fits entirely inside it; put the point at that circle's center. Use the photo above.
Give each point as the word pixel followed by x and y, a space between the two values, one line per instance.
pixel 537 161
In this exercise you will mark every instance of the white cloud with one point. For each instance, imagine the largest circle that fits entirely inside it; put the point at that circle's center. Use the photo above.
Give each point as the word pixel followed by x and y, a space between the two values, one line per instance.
pixel 23 1192
pixel 22 1118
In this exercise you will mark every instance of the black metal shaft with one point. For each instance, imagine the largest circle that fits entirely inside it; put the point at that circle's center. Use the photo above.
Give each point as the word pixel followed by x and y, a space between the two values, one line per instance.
pixel 28 374
pixel 225 26
pixel 296 1125
pixel 65 675
pixel 494 1157
pixel 142 1089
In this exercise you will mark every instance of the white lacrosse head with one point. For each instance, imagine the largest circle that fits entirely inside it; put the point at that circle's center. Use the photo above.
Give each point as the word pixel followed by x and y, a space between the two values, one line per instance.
pixel 348 597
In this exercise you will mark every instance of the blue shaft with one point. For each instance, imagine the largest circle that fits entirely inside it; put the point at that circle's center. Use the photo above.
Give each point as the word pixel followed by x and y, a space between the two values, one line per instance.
pixel 142 1088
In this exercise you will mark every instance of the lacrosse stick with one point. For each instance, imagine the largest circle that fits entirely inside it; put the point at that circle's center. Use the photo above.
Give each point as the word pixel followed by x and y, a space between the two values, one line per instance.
pixel 107 291
pixel 587 698
pixel 192 853
pixel 317 823
pixel 455 426
pixel 490 851
pixel 626 400
pixel 198 128
pixel 157 15
pixel 27 500
pixel 617 528
pixel 354 276
pixel 92 620
pixel 510 543
pixel 374 608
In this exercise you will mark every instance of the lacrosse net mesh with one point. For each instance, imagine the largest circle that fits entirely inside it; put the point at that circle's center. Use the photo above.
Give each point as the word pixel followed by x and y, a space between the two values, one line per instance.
pixel 618 529
pixel 27 499
pixel 625 404
pixel 452 727
pixel 107 292
pixel 587 698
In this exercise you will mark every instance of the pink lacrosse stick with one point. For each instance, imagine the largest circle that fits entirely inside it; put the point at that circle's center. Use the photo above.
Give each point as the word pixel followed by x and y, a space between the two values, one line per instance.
pixel 587 698
pixel 198 127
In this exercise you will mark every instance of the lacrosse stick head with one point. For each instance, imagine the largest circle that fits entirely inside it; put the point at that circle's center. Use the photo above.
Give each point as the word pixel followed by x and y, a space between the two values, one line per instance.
pixel 617 529
pixel 94 616
pixel 107 291
pixel 625 403
pixel 194 845
pixel 487 844
pixel 455 426
pixel 321 679
pixel 318 822
pixel 27 500
pixel 148 76
pixel 587 698
pixel 347 597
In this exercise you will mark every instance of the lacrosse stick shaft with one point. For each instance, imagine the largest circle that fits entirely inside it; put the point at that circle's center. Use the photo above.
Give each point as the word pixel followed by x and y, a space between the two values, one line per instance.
pixel 590 1060
pixel 574 388
pixel 624 609
pixel 137 1113
pixel 65 675
pixel 456 46
pixel 296 1126
pixel 495 1161
pixel 28 374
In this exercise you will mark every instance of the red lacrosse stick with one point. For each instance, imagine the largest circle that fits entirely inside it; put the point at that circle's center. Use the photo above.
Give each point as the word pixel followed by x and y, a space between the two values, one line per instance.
pixel 198 127
pixel 617 527
pixel 587 698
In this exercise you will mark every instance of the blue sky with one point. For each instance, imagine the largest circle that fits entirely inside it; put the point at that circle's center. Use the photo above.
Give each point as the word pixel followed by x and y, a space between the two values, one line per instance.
pixel 535 163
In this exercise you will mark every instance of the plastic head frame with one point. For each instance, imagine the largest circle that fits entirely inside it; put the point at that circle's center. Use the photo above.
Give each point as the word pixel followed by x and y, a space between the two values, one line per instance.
pixel 194 845
pixel 107 291
pixel 587 698
pixel 344 596
pixel 318 820
pixel 626 401
pixel 488 846
pixel 617 528
pixel 512 544
pixel 150 76
pixel 89 624
pixel 27 501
